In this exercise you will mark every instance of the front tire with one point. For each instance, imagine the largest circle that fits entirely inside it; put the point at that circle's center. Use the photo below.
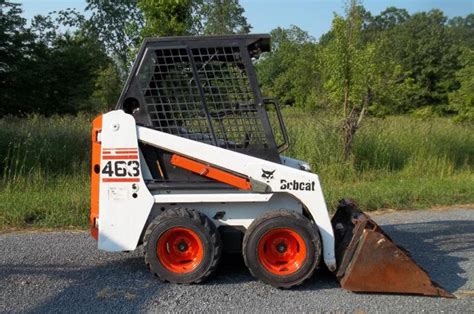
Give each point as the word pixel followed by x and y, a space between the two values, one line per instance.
pixel 282 248
pixel 182 246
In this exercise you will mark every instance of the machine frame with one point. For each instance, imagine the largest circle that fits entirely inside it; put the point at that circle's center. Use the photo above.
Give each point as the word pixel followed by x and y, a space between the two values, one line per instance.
pixel 119 228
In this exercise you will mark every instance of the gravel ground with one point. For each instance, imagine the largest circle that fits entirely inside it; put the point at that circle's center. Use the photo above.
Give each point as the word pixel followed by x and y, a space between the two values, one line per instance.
pixel 64 272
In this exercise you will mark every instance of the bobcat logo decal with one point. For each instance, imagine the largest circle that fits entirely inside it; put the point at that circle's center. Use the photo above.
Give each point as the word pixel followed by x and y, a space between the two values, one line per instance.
pixel 267 174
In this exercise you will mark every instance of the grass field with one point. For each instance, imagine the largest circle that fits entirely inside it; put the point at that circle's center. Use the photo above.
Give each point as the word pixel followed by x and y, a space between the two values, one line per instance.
pixel 398 162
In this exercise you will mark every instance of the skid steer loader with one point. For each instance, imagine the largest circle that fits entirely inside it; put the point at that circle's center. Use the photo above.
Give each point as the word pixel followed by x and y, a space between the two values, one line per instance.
pixel 188 166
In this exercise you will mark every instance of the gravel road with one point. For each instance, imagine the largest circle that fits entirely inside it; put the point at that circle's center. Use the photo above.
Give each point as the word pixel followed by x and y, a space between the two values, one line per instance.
pixel 64 272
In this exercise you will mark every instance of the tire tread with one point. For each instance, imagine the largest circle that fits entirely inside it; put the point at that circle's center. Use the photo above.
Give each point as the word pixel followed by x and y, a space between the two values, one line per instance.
pixel 274 214
pixel 200 219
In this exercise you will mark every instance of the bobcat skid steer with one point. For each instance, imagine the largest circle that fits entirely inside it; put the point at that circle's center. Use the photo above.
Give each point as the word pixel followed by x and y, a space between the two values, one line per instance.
pixel 188 166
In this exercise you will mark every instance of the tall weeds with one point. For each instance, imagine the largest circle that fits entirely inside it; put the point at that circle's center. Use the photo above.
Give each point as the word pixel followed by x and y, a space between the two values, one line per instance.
pixel 44 168
pixel 398 162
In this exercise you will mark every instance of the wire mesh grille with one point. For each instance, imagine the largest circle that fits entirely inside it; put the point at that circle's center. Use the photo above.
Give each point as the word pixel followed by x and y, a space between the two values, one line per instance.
pixel 228 96
pixel 175 104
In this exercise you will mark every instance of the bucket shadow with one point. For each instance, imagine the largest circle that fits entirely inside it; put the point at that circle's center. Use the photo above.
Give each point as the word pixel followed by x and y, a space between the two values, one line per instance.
pixel 439 247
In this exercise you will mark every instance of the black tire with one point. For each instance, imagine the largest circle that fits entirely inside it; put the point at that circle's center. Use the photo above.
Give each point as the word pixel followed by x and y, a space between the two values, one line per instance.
pixel 273 222
pixel 187 219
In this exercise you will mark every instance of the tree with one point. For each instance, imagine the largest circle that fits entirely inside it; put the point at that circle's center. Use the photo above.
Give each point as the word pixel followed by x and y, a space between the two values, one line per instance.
pixel 429 59
pixel 349 73
pixel 16 40
pixel 45 70
pixel 289 72
pixel 166 18
pixel 107 88
pixel 122 24
pixel 377 26
pixel 389 86
pixel 461 101
pixel 221 17
pixel 389 18
pixel 186 17
pixel 118 25
pixel 59 78
pixel 17 43
pixel 462 30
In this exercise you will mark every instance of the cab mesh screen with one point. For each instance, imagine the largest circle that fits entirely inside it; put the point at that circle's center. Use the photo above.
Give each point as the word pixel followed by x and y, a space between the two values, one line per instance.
pixel 203 95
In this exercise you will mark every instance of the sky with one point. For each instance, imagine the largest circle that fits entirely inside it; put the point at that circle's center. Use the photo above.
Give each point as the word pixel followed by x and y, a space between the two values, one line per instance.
pixel 313 16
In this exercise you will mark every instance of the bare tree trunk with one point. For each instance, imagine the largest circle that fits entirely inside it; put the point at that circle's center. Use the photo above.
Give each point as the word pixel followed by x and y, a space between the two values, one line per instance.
pixel 348 121
pixel 349 129
pixel 352 123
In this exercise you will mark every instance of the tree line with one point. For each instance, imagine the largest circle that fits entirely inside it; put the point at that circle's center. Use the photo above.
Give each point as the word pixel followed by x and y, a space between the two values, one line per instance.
pixel 391 63
pixel 65 62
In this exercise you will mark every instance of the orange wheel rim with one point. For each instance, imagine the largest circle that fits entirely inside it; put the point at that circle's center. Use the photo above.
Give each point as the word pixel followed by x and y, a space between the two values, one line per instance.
pixel 180 250
pixel 282 251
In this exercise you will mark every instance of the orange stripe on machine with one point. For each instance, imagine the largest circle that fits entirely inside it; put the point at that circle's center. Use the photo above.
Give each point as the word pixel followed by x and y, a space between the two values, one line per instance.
pixel 123 152
pixel 211 172
pixel 121 157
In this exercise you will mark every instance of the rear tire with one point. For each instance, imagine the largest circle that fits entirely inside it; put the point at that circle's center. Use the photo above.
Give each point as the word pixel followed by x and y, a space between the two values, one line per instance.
pixel 282 248
pixel 182 246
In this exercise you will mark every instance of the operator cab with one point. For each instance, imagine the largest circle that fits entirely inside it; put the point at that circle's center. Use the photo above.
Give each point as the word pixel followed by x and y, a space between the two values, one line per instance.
pixel 204 89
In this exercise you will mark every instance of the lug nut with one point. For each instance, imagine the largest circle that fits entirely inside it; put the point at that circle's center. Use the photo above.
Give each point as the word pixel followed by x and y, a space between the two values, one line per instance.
pixel 281 247
pixel 182 246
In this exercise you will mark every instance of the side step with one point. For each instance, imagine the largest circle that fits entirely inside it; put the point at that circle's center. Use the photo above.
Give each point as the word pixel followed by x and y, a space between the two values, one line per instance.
pixel 369 261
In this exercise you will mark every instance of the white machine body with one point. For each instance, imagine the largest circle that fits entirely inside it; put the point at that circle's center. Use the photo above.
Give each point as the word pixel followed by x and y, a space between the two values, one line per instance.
pixel 125 202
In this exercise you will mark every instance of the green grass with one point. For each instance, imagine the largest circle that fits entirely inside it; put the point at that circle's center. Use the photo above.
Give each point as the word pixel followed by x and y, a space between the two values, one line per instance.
pixel 44 164
pixel 59 201
pixel 398 162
